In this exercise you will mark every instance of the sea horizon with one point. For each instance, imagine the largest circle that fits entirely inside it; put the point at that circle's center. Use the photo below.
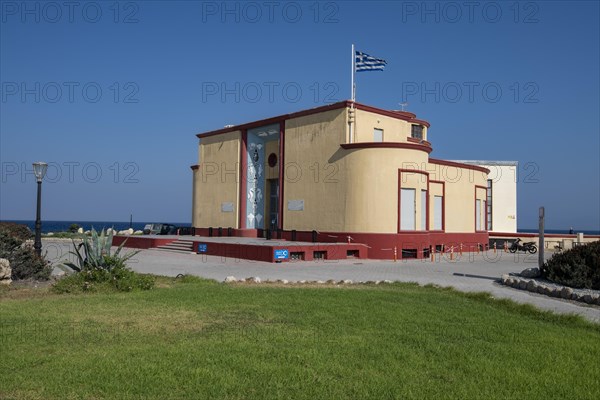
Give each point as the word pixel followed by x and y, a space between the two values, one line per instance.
pixel 63 225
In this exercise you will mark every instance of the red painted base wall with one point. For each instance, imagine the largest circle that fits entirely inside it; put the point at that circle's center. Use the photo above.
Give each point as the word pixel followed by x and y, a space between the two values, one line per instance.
pixel 140 242
pixel 380 245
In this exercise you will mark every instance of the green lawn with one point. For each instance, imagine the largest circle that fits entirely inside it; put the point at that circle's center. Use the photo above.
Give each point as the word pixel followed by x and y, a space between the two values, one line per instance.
pixel 199 339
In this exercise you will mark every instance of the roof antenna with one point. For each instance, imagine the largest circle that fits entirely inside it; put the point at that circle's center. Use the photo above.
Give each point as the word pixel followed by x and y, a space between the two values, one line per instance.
pixel 403 105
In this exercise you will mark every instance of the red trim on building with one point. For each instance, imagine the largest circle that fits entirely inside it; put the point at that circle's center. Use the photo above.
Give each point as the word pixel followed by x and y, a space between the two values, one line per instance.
pixel 420 141
pixel 195 167
pixel 243 179
pixel 386 145
pixel 458 165
pixel 403 115
pixel 394 114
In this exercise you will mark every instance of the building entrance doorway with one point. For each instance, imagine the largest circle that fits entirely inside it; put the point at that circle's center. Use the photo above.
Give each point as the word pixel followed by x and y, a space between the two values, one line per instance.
pixel 273 203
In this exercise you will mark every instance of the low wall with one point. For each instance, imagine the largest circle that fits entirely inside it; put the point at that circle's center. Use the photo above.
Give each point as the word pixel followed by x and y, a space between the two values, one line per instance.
pixel 140 242
pixel 551 240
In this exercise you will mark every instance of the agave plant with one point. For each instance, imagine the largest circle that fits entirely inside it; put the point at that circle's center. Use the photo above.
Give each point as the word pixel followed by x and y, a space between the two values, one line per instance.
pixel 94 252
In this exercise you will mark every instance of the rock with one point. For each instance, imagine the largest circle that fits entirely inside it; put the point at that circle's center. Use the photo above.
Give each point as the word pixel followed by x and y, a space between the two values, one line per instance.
pixel 522 284
pixel 542 289
pixel 530 273
pixel 138 232
pixel 80 230
pixel 254 279
pixel 87 232
pixel 284 281
pixel 230 279
pixel 566 293
pixel 302 282
pixel 5 272
pixel 555 292
pixel 331 282
pixel 587 298
pixel 596 298
pixel 50 234
pixel 516 283
pixel 387 281
pixel 377 282
pixel 532 286
pixel 574 296
pixel 548 291
pixel 505 278
pixel 320 282
pixel 347 282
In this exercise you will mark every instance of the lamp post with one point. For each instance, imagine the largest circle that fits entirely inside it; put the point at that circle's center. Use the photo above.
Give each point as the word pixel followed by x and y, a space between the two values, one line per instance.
pixel 39 169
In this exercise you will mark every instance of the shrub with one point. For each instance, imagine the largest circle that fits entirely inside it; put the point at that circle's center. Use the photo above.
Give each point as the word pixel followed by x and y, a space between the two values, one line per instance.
pixel 73 228
pixel 95 252
pixel 99 270
pixel 18 231
pixel 118 278
pixel 578 267
pixel 24 261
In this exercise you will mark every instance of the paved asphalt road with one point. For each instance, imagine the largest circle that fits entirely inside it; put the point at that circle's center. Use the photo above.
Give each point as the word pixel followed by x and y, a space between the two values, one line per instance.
pixel 471 272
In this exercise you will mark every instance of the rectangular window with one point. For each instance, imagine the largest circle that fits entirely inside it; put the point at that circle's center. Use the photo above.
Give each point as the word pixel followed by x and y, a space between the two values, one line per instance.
pixel 477 215
pixel 378 135
pixel 417 132
pixel 423 210
pixel 437 213
pixel 489 205
pixel 407 211
pixel 273 203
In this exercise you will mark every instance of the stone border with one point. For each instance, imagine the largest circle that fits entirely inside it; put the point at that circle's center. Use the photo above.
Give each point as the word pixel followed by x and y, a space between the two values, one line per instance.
pixel 256 279
pixel 550 289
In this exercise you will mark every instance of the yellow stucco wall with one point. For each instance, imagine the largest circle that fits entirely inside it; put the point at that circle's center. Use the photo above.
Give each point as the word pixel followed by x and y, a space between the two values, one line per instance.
pixel 312 171
pixel 217 181
pixel 394 130
pixel 343 190
pixel 460 195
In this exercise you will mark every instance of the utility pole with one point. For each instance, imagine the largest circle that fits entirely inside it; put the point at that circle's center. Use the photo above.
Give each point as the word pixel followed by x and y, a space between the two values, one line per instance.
pixel 541 239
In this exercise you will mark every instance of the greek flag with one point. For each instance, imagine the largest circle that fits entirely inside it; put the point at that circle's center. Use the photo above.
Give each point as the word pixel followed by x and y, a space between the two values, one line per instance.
pixel 365 62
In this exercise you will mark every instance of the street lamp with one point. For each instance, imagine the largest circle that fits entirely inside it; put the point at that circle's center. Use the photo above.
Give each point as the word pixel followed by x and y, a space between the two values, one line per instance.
pixel 39 169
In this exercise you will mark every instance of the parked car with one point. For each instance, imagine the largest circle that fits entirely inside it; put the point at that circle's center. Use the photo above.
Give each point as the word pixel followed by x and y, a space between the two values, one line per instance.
pixel 160 229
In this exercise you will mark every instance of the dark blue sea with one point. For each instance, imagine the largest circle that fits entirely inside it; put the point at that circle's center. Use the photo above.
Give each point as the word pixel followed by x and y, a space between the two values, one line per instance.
pixel 63 226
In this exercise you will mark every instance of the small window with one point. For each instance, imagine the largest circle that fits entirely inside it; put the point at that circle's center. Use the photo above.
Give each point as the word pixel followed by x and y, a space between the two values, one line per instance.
pixel 378 135
pixel 417 132
pixel 489 204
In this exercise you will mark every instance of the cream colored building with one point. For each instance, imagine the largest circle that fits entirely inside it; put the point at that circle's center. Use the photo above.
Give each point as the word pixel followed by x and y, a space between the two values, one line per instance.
pixel 346 171
pixel 502 194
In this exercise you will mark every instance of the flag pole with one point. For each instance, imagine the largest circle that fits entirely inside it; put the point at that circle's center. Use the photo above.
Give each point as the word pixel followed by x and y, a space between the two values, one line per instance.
pixel 352 96
pixel 353 88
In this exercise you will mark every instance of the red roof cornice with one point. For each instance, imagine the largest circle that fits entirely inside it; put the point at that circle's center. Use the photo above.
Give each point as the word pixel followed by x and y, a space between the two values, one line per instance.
pixel 403 115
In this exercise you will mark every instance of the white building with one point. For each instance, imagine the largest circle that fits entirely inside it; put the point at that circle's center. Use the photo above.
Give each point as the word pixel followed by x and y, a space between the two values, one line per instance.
pixel 501 194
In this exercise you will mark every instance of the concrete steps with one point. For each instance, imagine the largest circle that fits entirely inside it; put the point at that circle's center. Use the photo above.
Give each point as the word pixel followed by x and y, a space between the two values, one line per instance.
pixel 179 246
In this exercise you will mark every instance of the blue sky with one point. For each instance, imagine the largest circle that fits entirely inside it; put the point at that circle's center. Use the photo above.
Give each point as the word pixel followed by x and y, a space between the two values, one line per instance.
pixel 112 93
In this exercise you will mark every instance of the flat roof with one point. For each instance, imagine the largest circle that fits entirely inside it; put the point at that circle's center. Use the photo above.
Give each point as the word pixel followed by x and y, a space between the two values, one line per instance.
pixel 403 115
